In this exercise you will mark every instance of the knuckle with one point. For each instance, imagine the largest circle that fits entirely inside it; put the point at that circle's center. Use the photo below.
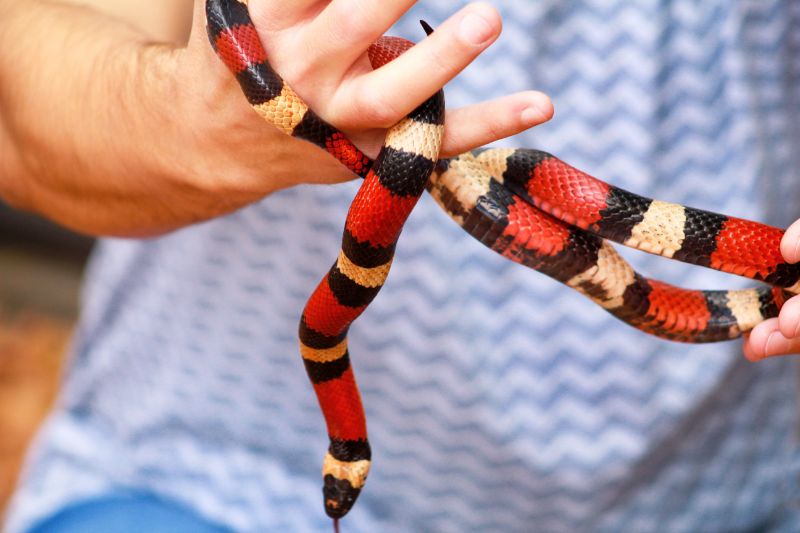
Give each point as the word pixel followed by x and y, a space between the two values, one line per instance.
pixel 438 61
pixel 376 109
pixel 349 29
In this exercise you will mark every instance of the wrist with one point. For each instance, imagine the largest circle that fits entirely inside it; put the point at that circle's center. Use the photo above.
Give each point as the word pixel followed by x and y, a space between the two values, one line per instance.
pixel 221 135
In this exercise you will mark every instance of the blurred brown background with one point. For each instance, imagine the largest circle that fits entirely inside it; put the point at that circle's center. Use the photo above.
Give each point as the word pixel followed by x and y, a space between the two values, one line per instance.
pixel 40 271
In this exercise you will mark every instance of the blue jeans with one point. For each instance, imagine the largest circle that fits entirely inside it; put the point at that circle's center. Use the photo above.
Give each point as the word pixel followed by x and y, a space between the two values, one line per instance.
pixel 127 512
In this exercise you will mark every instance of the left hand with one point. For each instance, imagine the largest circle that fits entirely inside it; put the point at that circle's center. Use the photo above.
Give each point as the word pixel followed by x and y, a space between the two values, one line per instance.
pixel 781 335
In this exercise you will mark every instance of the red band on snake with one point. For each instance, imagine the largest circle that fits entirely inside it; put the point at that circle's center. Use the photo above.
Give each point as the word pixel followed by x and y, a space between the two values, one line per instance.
pixel 524 204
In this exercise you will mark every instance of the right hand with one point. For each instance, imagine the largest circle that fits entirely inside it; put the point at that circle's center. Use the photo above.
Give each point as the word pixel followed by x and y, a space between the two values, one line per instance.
pixel 319 48
pixel 780 335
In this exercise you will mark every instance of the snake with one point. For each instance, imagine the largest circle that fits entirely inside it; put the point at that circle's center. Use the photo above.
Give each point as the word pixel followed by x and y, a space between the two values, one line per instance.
pixel 524 204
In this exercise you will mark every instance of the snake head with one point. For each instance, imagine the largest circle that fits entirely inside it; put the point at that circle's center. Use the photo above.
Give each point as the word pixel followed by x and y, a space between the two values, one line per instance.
pixel 344 476
pixel 339 496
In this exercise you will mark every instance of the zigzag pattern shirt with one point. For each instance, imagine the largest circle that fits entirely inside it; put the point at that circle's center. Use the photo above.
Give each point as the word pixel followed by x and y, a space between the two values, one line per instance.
pixel 497 399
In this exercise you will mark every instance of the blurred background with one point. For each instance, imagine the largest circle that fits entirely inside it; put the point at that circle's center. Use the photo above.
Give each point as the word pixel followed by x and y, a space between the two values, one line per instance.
pixel 40 272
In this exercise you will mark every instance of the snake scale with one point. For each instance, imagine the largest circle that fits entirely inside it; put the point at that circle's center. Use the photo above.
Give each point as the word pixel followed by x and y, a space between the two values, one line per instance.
pixel 524 204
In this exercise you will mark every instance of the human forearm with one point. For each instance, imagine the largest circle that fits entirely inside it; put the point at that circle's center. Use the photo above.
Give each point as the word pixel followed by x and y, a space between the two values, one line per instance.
pixel 68 79
pixel 102 136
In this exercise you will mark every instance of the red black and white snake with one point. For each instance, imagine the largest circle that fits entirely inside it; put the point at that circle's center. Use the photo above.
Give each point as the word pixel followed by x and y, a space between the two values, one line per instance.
pixel 524 204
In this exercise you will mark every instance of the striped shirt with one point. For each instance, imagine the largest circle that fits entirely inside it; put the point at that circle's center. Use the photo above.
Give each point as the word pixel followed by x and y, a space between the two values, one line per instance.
pixel 497 399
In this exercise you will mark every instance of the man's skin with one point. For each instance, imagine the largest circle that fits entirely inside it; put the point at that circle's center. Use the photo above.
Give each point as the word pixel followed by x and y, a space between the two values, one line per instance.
pixel 118 128
pixel 167 21
pixel 110 134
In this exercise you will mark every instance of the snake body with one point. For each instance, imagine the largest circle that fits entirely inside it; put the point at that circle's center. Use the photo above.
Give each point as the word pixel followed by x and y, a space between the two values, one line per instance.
pixel 392 185
pixel 478 192
pixel 526 205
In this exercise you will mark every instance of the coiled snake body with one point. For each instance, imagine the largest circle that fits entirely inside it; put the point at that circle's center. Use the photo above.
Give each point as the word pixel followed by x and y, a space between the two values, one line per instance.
pixel 524 204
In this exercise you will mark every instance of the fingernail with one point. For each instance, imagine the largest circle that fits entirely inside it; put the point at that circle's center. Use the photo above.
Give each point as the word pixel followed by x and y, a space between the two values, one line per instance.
pixel 753 356
pixel 531 115
pixel 475 29
pixel 770 337
pixel 749 354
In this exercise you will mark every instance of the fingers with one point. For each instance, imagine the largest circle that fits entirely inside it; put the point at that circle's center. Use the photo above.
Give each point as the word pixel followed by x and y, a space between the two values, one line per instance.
pixel 321 55
pixel 766 340
pixel 473 126
pixel 346 28
pixel 781 335
pixel 276 16
pixel 790 244
pixel 384 96
pixel 476 125
pixel 789 318
pixel 755 343
pixel 776 336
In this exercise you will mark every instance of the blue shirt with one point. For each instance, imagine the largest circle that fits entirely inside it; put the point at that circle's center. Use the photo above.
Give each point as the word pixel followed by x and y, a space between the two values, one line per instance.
pixel 497 399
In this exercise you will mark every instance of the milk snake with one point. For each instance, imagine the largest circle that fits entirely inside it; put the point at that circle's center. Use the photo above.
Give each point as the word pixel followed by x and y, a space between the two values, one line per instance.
pixel 524 204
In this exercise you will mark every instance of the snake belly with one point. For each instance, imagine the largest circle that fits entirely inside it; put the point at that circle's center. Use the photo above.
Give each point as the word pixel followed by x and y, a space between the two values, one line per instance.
pixel 524 204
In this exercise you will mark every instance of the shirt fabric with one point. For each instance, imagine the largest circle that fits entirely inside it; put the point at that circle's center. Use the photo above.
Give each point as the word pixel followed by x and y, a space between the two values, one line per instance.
pixel 126 512
pixel 497 399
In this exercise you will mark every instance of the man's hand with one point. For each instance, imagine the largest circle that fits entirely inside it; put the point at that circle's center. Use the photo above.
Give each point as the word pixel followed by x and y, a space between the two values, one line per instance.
pixel 109 133
pixel 319 48
pixel 781 335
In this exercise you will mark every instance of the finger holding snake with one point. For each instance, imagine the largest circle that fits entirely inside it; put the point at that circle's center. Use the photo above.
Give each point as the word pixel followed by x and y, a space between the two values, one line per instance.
pixel 319 47
pixel 767 340
pixel 780 335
